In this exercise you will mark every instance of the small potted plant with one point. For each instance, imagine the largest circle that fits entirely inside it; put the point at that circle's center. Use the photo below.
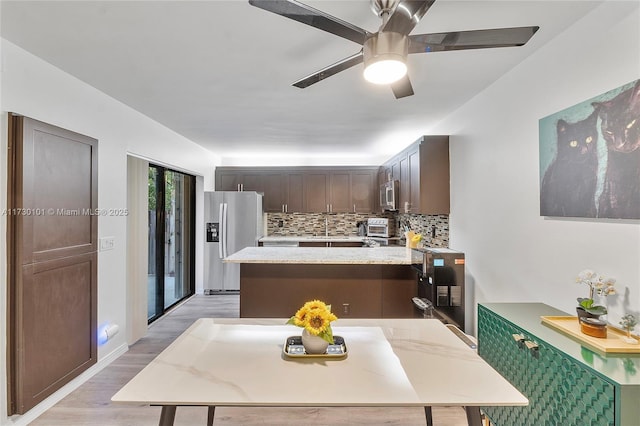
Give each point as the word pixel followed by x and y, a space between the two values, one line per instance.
pixel 628 322
pixel 587 308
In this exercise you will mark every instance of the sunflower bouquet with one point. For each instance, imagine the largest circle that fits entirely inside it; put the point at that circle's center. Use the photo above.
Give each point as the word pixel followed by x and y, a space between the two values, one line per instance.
pixel 315 317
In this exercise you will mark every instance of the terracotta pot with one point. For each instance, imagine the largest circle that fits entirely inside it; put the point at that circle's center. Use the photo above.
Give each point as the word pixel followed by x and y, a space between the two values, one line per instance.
pixel 313 344
pixel 594 327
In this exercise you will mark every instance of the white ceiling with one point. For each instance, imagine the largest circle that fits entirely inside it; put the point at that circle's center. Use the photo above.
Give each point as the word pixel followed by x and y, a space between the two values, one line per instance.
pixel 220 72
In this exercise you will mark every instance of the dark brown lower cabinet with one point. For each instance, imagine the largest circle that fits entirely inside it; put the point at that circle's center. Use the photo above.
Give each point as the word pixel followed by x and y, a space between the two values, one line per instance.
pixel 353 291
pixel 399 286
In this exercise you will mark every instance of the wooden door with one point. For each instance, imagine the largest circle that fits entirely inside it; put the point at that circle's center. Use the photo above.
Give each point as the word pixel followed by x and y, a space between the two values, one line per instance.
pixel 52 259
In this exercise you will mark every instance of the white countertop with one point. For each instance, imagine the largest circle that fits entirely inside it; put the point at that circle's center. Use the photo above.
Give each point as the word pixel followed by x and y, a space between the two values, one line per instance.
pixel 323 255
pixel 235 362
pixel 311 238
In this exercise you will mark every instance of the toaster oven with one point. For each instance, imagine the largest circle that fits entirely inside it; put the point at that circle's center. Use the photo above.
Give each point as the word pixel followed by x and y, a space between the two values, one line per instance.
pixel 378 227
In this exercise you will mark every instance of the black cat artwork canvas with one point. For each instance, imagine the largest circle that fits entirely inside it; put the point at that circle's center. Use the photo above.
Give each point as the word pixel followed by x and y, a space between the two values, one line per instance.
pixel 569 185
pixel 620 124
pixel 590 157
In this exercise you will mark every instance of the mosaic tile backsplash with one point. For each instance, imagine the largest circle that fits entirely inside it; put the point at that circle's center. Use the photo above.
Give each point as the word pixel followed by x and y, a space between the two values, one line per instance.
pixel 434 228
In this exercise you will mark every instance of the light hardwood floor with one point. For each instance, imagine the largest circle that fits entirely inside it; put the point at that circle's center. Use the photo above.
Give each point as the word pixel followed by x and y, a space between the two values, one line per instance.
pixel 91 403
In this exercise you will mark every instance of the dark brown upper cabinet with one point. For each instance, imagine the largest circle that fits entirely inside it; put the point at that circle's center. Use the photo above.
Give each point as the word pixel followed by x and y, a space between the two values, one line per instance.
pixel 364 191
pixel 305 189
pixel 422 170
pixel 340 192
pixel 294 199
pixel 316 192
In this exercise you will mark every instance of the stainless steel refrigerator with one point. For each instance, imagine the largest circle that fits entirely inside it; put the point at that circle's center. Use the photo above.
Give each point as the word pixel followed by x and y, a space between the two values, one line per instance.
pixel 233 221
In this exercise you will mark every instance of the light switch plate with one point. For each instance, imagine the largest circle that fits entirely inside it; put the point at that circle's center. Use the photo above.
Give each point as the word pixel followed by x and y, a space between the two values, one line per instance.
pixel 107 243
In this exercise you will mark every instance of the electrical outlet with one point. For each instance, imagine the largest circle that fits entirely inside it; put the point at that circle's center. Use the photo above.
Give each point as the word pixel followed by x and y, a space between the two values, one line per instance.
pixel 107 243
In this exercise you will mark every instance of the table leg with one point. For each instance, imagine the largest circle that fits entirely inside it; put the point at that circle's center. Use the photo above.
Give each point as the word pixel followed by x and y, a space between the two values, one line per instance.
pixel 429 415
pixel 474 418
pixel 168 415
pixel 210 413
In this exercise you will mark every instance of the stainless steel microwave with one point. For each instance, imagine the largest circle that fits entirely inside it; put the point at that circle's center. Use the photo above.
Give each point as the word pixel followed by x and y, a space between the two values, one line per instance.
pixel 389 195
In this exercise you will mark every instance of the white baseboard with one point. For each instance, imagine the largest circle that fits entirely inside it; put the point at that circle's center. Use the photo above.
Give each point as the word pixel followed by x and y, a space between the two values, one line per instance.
pixel 31 415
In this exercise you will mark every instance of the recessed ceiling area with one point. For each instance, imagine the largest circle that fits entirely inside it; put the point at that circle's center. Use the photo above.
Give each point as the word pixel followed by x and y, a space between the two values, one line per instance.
pixel 220 72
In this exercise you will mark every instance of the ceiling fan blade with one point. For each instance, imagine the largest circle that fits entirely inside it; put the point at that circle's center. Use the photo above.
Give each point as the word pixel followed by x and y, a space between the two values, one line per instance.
pixel 307 15
pixel 402 87
pixel 475 39
pixel 406 16
pixel 330 70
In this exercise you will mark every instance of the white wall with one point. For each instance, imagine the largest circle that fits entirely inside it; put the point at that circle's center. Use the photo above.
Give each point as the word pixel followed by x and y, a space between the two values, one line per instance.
pixel 36 89
pixel 514 254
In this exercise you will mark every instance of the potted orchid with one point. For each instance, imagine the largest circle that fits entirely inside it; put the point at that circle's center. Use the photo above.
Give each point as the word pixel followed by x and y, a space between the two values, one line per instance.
pixel 598 285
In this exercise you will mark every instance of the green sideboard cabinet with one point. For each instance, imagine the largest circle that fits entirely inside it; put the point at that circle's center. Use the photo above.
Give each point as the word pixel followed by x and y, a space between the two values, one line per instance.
pixel 567 384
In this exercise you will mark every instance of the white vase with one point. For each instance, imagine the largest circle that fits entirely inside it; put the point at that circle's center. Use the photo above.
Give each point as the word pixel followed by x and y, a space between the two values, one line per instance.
pixel 313 344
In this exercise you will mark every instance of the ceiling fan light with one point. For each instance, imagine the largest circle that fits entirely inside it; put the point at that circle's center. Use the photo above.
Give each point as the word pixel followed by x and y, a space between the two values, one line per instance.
pixel 385 71
pixel 385 57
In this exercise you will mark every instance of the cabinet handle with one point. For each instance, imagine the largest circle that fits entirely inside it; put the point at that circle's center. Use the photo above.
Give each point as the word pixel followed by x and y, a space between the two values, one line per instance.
pixel 286 208
pixel 328 208
pixel 354 208
pixel 518 337
pixel 534 349
pixel 283 208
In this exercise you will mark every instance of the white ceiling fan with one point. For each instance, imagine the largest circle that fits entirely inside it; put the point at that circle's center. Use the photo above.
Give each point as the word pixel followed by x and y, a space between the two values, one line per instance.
pixel 385 52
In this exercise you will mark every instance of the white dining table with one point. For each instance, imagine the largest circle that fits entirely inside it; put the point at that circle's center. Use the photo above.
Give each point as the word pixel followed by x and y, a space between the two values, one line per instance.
pixel 389 362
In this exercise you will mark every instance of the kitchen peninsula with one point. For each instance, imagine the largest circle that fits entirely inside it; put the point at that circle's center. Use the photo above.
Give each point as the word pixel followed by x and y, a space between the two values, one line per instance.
pixel 358 282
